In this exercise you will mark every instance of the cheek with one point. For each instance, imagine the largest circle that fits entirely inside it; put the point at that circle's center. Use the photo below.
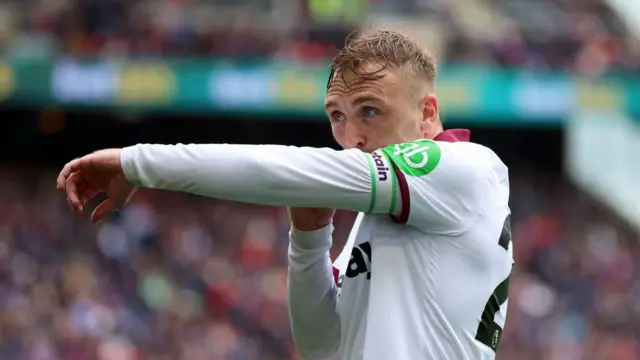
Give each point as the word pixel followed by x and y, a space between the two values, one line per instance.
pixel 390 126
pixel 398 129
pixel 338 133
pixel 382 132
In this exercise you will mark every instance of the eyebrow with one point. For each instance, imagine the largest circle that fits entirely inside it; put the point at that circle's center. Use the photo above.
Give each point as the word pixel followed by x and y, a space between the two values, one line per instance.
pixel 356 102
pixel 365 98
pixel 329 104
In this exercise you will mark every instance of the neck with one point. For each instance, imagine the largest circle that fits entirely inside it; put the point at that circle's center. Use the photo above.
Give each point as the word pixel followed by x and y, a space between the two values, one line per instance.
pixel 433 132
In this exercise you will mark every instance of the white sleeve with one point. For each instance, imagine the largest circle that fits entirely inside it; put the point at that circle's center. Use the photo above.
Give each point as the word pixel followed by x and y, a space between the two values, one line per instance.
pixel 267 174
pixel 313 294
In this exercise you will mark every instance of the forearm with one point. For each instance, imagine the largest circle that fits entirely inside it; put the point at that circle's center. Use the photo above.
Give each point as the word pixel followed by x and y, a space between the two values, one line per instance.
pixel 313 294
pixel 261 174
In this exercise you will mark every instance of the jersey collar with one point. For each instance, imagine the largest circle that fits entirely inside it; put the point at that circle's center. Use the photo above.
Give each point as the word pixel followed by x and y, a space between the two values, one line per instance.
pixel 454 135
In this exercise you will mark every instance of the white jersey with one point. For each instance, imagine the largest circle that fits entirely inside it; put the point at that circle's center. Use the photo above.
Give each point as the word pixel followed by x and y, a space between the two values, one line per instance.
pixel 424 274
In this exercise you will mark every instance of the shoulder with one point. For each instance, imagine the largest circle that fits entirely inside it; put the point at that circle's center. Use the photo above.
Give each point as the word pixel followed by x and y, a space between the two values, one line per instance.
pixel 433 159
pixel 448 184
pixel 471 159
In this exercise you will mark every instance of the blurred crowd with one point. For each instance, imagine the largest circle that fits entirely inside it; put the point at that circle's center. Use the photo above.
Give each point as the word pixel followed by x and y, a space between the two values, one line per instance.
pixel 176 277
pixel 583 37
pixel 579 36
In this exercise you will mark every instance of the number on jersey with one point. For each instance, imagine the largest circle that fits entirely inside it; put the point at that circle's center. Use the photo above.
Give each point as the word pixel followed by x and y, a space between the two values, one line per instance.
pixel 490 333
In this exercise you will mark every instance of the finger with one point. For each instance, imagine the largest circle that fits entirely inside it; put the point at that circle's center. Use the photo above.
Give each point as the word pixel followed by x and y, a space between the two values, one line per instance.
pixel 87 194
pixel 72 184
pixel 83 188
pixel 71 167
pixel 105 208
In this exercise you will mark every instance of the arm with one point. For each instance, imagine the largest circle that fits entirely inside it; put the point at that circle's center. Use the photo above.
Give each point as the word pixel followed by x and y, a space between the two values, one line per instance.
pixel 444 187
pixel 313 294
pixel 267 175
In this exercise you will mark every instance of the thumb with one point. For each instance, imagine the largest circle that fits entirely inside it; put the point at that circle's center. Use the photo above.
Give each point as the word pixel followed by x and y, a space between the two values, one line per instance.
pixel 105 208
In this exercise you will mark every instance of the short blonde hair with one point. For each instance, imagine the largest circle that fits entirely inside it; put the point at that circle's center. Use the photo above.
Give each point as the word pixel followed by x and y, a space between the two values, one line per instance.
pixel 388 49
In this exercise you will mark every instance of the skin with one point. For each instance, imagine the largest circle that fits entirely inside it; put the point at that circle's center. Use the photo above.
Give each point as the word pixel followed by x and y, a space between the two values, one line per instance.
pixel 371 114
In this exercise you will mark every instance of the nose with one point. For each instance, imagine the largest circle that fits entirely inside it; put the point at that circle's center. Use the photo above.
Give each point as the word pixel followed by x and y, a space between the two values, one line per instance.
pixel 353 137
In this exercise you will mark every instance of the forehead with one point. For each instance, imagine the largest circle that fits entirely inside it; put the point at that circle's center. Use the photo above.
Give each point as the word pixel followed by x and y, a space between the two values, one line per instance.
pixel 345 84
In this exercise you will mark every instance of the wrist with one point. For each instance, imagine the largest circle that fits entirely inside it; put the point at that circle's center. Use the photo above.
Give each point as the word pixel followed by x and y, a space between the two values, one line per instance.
pixel 127 164
pixel 311 226
pixel 313 239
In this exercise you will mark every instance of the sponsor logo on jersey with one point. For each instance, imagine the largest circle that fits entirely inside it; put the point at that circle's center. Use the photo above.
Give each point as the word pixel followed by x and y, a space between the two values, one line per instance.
pixel 416 158
pixel 359 263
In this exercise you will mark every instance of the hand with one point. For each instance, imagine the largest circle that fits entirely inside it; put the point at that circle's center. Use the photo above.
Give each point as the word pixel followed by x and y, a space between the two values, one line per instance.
pixel 309 219
pixel 90 175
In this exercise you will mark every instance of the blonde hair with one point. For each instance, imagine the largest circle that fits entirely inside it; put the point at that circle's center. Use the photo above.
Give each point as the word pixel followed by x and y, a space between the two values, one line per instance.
pixel 388 49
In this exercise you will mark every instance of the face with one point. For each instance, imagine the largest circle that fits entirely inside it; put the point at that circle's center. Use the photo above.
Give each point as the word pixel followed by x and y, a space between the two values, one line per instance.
pixel 371 114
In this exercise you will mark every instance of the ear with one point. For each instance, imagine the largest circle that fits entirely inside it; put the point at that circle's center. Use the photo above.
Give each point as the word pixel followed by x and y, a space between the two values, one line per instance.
pixel 429 112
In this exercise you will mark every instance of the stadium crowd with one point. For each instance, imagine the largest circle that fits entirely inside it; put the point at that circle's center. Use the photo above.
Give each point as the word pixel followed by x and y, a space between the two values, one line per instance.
pixel 177 277
pixel 578 36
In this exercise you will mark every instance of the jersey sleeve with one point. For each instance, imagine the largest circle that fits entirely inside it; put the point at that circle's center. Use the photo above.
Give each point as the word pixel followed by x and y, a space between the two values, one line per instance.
pixel 441 186
pixel 312 294
pixel 267 174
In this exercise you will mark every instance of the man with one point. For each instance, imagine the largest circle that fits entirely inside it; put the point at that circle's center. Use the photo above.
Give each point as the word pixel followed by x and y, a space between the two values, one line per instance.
pixel 424 274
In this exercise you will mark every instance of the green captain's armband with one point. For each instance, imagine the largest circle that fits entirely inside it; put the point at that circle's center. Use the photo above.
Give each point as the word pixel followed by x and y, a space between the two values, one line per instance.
pixel 415 158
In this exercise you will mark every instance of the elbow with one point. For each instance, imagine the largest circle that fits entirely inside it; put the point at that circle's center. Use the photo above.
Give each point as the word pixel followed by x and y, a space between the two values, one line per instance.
pixel 317 351
pixel 313 344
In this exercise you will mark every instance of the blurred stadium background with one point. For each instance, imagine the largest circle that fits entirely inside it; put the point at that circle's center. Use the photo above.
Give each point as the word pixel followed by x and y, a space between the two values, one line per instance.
pixel 552 85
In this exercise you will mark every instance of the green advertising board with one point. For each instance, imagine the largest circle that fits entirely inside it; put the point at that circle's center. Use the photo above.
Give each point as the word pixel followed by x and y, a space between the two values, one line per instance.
pixel 294 89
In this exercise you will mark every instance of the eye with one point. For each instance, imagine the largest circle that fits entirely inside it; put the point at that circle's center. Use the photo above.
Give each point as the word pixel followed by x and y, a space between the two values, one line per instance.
pixel 337 116
pixel 369 111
